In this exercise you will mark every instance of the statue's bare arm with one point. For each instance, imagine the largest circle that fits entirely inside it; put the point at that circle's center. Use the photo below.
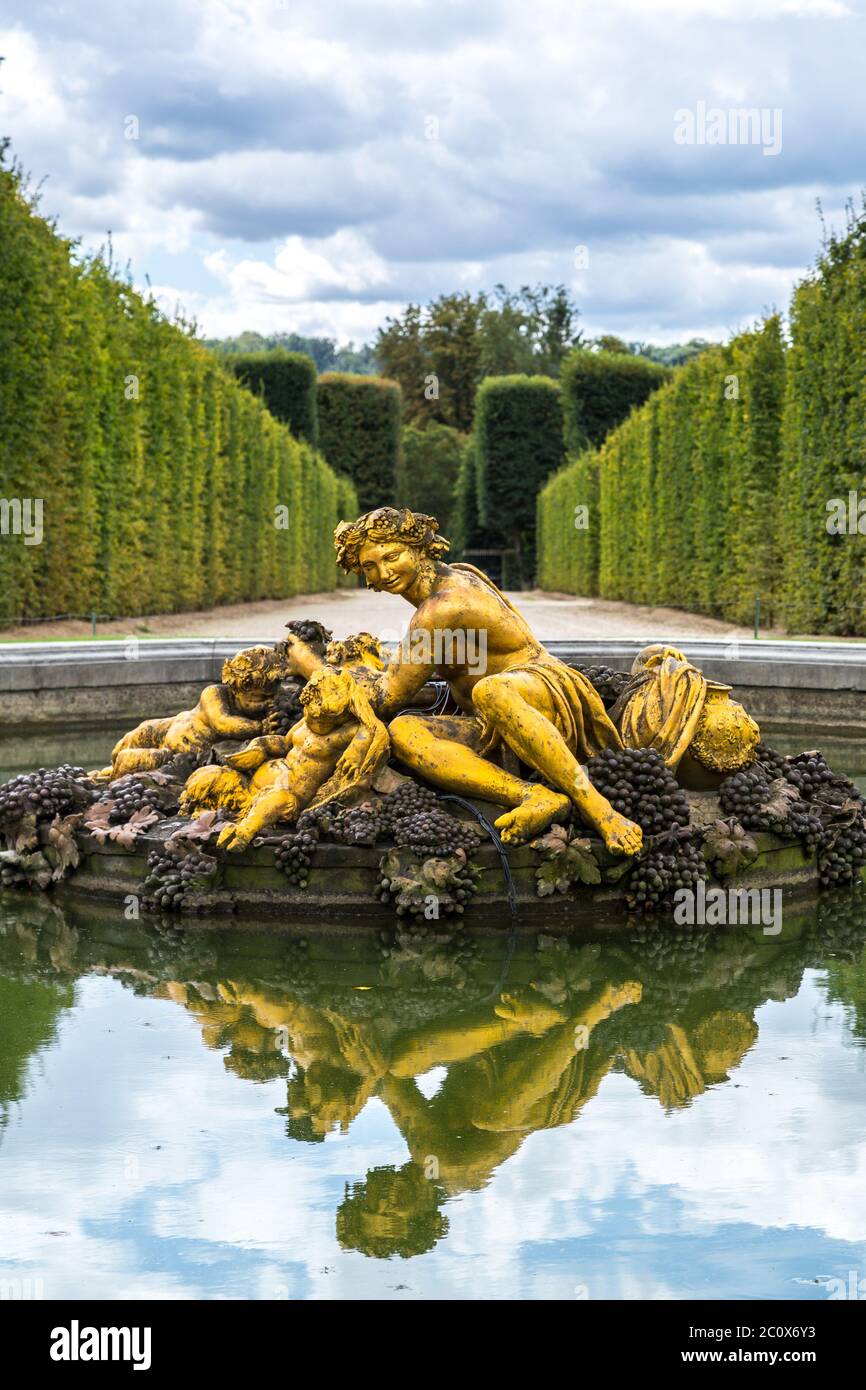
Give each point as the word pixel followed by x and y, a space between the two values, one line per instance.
pixel 403 677
pixel 215 706
pixel 301 657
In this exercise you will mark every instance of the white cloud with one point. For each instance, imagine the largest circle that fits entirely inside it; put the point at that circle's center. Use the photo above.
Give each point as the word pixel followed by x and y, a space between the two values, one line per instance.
pixel 284 175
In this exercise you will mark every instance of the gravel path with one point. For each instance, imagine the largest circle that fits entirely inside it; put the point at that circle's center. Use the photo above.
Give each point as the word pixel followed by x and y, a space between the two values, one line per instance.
pixel 386 615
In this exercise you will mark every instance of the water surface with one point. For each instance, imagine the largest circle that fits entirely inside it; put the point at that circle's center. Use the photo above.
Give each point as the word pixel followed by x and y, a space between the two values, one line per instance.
pixel 184 1114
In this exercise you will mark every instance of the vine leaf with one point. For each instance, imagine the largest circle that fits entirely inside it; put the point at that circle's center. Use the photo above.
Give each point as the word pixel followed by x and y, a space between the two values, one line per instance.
pixel 565 862
pixel 728 847
pixel 778 806
pixel 60 848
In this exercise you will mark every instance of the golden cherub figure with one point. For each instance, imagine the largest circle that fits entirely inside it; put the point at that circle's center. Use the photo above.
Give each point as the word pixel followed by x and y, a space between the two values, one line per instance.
pixel 337 747
pixel 235 708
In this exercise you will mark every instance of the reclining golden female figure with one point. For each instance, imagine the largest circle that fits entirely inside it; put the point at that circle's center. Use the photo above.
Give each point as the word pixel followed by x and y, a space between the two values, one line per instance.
pixel 517 695
pixel 233 709
pixel 336 748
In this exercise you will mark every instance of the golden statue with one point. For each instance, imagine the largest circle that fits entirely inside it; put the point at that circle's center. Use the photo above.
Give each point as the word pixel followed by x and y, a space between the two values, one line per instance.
pixel 233 709
pixel 527 723
pixel 690 721
pixel 338 746
pixel 516 697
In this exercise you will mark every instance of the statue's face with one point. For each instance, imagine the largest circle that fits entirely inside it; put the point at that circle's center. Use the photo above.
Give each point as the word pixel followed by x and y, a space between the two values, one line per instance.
pixel 388 565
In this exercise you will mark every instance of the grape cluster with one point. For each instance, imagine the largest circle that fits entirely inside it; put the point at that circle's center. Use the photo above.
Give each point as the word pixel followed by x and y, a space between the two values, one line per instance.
pixel 804 825
pixel 663 869
pixel 293 854
pixel 609 684
pixel 129 795
pixel 412 816
pixel 842 854
pixel 637 783
pixel 285 710
pixel 461 887
pixel 434 832
pixel 808 772
pixel 408 799
pixel 171 871
pixel 314 634
pixel 771 763
pixel 49 792
pixel 349 825
pixel 744 795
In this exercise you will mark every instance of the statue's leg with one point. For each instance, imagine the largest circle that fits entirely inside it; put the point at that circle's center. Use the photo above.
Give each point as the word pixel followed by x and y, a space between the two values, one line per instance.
pixel 270 806
pixel 140 760
pixel 211 787
pixel 148 734
pixel 518 706
pixel 425 746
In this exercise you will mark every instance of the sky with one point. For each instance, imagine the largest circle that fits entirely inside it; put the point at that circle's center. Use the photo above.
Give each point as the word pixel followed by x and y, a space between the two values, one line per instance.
pixel 291 166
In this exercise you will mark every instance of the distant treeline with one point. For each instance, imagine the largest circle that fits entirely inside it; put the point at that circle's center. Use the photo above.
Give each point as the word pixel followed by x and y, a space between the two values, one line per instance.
pixel 325 352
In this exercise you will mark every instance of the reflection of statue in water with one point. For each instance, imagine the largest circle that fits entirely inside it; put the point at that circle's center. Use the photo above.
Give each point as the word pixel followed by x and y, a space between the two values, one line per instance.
pixel 690 1060
pixel 394 1211
pixel 233 709
pixel 516 1061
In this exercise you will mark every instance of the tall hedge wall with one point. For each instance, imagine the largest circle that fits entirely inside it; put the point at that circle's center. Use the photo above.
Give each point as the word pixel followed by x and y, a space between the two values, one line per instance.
pixel 568 528
pixel 744 476
pixel 159 474
pixel 286 381
pixel 598 391
pixel 359 433
pixel 518 444
pixel 685 492
pixel 824 443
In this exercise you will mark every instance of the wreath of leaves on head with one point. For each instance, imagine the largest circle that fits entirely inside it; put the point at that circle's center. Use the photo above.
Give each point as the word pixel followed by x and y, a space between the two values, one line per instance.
pixel 413 529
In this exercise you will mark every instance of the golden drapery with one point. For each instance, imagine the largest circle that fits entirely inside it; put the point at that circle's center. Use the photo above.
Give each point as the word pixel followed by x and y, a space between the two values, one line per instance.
pixel 662 705
pixel 578 710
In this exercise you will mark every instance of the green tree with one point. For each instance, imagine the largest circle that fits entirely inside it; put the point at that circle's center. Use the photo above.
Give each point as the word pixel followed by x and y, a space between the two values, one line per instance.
pixel 518 445
pixel 427 474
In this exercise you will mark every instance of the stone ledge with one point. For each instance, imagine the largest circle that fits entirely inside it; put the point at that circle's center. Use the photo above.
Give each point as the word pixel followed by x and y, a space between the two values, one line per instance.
pixel 93 683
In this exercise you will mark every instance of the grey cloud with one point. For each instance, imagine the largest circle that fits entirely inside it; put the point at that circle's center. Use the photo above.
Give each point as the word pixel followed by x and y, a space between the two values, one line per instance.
pixel 538 150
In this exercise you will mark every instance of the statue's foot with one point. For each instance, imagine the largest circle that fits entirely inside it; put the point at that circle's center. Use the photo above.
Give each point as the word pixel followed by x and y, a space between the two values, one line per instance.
pixel 535 814
pixel 529 1010
pixel 234 837
pixel 620 835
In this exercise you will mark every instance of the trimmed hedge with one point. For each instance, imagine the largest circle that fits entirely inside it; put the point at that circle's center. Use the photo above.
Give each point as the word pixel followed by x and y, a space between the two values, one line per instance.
pixel 824 443
pixel 518 444
pixel 721 487
pixel 686 491
pixel 427 474
pixel 598 391
pixel 359 433
pixel 286 381
pixel 160 475
pixel 568 558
